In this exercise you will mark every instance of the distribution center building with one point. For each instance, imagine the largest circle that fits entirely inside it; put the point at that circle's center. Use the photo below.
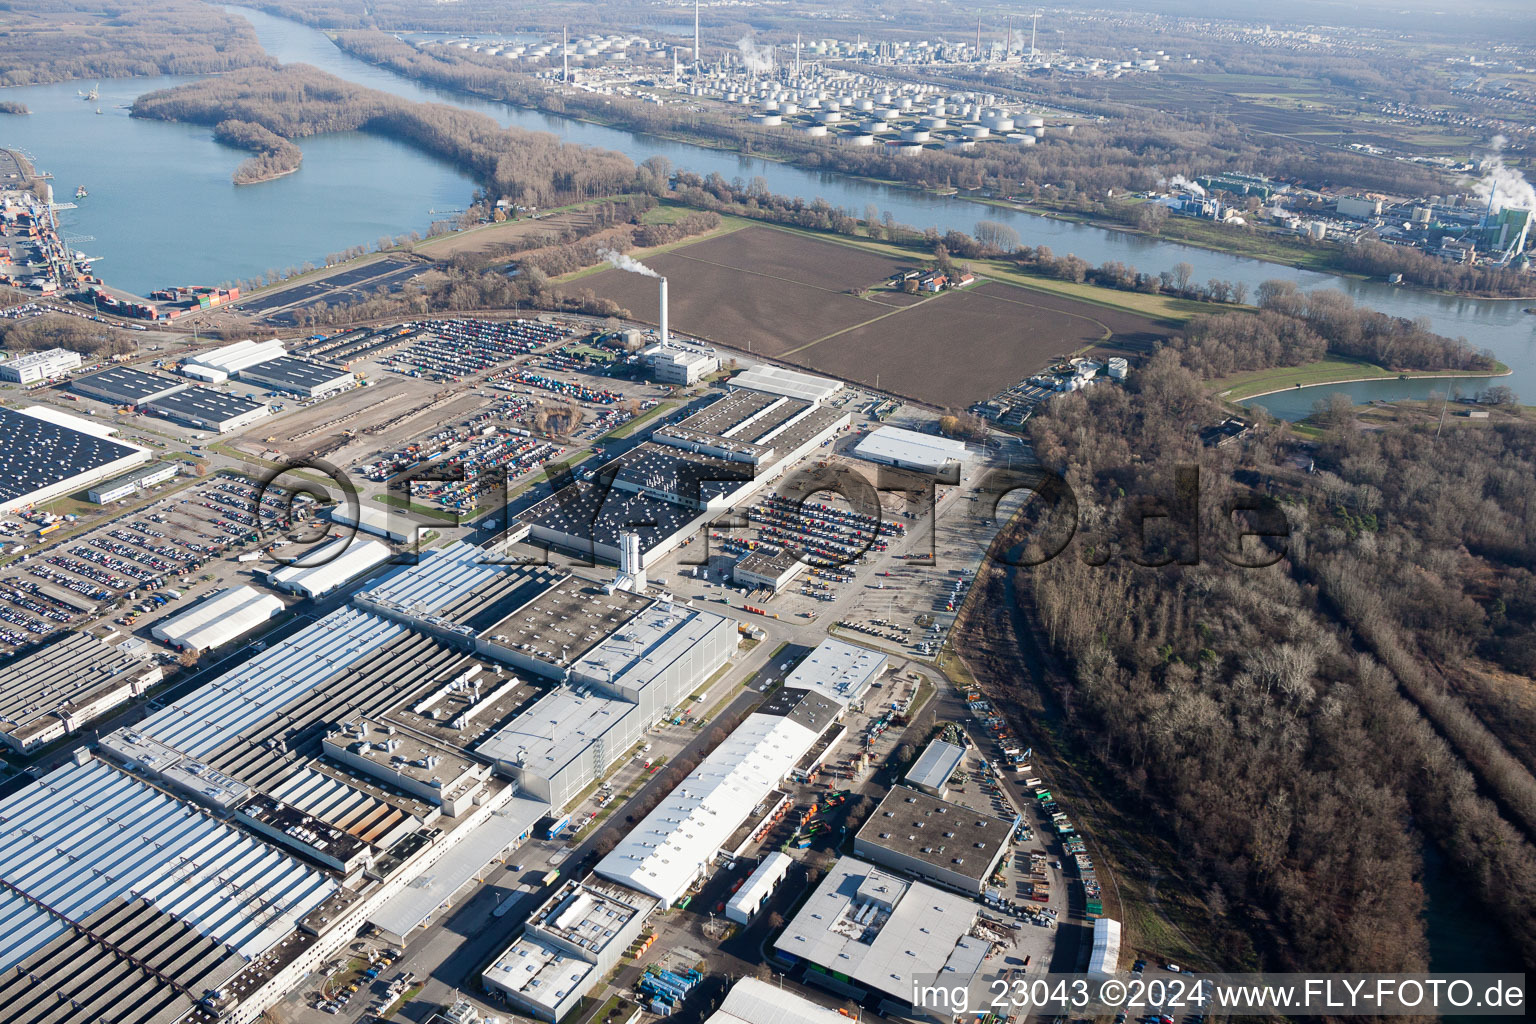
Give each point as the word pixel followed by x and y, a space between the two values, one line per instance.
pixel 932 839
pixel 751 1001
pixel 207 409
pixel 32 367
pixel 909 449
pixel 123 385
pixel 45 454
pixel 298 376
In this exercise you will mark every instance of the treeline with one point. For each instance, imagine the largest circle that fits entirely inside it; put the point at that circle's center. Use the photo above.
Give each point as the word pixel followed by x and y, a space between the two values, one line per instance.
pixel 1289 729
pixel 1294 327
pixel 54 40
pixel 12 107
pixel 56 330
pixel 297 100
pixel 1378 259
pixel 275 155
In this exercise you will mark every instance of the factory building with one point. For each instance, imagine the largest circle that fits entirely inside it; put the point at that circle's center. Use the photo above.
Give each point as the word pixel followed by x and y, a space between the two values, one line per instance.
pixel 881 933
pixel 571 943
pixel 207 409
pixel 909 449
pixel 768 566
pixel 323 570
pixel 132 482
pixel 48 693
pixel 929 838
pixel 669 487
pixel 754 892
pixel 776 380
pixel 1357 207
pixel 838 669
pixel 297 376
pixel 933 769
pixel 217 619
pixel 679 363
pixel 32 367
pixel 623 661
pixel 674 846
pixel 45 453
pixel 123 385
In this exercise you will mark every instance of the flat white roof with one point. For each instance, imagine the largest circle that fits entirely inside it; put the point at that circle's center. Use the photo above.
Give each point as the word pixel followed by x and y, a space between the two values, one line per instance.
pixel 328 567
pixel 776 380
pixel 556 730
pixel 909 447
pixel 665 852
pixel 756 1002
pixel 936 765
pixel 883 931
pixel 219 618
pixel 408 909
pixel 838 669
pixel 85 835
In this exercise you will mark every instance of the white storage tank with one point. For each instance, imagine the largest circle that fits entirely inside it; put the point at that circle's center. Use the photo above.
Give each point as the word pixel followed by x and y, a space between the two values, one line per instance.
pixel 1022 140
pixel 859 140
pixel 933 123
pixel 975 131
pixel 768 120
pixel 829 117
pixel 815 131
pixel 876 126
pixel 915 135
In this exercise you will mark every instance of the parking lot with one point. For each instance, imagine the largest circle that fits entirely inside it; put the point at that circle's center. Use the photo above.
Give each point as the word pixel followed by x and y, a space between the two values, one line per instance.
pixel 140 564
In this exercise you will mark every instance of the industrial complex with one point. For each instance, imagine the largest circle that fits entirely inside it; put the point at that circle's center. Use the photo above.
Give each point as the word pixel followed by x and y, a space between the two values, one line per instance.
pixel 50 453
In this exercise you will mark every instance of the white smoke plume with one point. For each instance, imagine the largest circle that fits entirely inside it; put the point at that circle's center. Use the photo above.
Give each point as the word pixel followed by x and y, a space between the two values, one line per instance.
pixel 1179 181
pixel 758 59
pixel 1505 185
pixel 629 263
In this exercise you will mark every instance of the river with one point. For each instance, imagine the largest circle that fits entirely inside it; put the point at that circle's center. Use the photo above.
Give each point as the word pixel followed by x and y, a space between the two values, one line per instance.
pixel 162 209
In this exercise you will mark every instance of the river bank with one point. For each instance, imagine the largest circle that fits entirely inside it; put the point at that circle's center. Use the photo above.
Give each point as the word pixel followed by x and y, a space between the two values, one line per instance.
pixel 1336 371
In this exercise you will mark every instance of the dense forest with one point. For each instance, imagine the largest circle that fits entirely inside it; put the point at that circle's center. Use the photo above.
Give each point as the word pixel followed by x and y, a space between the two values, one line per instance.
pixel 1300 733
pixel 530 168
pixel 56 330
pixel 12 107
pixel 1294 327
pixel 275 155
pixel 54 40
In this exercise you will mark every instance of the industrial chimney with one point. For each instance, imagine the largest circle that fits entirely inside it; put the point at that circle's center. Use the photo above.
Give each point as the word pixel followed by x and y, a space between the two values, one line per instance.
pixel 664 336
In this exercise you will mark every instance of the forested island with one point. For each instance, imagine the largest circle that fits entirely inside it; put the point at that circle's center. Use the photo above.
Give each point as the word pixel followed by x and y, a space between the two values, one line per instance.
pixel 12 107
pixel 296 100
pixel 275 155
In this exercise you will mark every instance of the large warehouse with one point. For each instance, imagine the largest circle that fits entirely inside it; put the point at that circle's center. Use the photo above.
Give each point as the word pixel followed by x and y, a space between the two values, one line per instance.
pixel 570 944
pixel 673 847
pixel 298 376
pixel 31 367
pixel 909 449
pixel 666 489
pixel 45 453
pixel 123 385
pixel 50 692
pixel 777 380
pixel 321 571
pixel 207 409
pixel 751 1001
pixel 218 618
pixel 227 360
pixel 881 933
pixel 935 840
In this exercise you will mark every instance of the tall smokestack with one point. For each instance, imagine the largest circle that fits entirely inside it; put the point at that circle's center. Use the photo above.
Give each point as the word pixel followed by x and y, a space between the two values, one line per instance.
pixel 663 311
pixel 698 55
